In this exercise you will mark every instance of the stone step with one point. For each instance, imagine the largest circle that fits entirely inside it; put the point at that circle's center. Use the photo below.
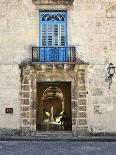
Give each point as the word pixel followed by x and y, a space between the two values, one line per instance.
pixel 53 133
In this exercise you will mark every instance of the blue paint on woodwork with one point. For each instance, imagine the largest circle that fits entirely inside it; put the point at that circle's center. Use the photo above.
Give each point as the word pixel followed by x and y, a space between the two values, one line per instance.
pixel 53 34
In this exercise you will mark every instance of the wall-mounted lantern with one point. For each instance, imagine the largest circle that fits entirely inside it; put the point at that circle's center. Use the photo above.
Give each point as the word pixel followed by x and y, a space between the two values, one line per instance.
pixel 111 71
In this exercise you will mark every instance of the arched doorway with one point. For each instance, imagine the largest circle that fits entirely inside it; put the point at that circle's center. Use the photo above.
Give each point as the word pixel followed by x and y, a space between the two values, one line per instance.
pixel 51 106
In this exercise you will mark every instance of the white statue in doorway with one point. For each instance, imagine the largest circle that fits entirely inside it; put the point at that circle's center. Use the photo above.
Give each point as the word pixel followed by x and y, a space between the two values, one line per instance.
pixel 52 110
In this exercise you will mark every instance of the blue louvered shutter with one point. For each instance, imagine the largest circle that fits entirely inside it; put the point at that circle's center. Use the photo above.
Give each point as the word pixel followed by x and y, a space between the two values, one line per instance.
pixel 53 34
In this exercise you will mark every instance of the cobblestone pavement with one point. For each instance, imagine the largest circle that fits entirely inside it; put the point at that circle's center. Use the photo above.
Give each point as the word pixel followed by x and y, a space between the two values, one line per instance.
pixel 57 148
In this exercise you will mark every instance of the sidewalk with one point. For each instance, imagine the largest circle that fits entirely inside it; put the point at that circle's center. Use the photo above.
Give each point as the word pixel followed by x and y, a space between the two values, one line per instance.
pixel 54 136
pixel 61 138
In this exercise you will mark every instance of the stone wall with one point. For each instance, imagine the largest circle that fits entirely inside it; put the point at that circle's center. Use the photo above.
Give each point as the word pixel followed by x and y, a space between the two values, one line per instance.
pixel 17 35
pixel 91 28
pixel 34 72
pixel 52 2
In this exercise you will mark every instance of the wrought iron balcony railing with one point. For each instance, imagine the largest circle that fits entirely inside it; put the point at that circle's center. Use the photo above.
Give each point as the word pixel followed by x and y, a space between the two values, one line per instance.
pixel 54 54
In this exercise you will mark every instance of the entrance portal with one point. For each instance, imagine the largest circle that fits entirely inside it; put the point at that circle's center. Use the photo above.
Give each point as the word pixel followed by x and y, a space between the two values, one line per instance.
pixel 53 106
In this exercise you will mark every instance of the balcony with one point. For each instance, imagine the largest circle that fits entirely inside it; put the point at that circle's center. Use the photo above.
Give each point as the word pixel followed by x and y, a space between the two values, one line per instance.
pixel 52 2
pixel 54 54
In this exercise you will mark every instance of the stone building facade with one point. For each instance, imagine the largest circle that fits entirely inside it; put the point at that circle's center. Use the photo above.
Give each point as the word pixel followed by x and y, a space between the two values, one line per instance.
pixel 91 29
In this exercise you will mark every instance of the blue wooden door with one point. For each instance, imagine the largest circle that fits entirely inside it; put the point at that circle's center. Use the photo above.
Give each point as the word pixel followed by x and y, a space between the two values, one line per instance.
pixel 53 36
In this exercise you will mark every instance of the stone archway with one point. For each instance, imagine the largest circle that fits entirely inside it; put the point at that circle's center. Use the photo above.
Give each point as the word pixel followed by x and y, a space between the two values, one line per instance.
pixel 33 73
pixel 53 100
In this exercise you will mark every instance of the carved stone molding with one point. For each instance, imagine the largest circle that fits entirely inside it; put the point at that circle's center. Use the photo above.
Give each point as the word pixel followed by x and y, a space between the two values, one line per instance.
pixel 52 2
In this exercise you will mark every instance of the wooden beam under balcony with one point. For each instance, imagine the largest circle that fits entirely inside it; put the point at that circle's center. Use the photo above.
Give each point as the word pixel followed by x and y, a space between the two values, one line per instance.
pixel 52 2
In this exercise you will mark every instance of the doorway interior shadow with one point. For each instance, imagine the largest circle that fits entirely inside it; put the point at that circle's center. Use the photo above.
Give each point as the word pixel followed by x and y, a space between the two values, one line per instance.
pixel 53 110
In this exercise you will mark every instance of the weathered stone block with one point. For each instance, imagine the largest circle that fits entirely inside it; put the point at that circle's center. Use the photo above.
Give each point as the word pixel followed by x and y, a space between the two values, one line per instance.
pixel 82 101
pixel 75 79
pixel 33 122
pixel 82 95
pixel 25 108
pixel 52 2
pixel 82 115
pixel 25 80
pixel 82 122
pixel 71 66
pixel 82 87
pixel 74 92
pixel 59 66
pixel 82 108
pixel 73 121
pixel 24 101
pixel 33 84
pixel 25 114
pixel 26 122
pixel 26 72
pixel 74 105
pixel 81 80
pixel 25 94
pixel 74 114
pixel 33 114
pixel 83 131
pixel 33 95
pixel 47 67
pixel 33 105
pixel 37 67
pixel 25 87
pixel 81 71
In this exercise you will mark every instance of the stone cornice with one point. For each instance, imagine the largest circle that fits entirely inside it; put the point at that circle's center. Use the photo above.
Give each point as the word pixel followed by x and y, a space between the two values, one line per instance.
pixel 81 62
pixel 52 2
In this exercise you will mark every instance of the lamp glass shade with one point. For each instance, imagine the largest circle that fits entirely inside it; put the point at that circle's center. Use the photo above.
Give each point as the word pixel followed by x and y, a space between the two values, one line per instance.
pixel 111 71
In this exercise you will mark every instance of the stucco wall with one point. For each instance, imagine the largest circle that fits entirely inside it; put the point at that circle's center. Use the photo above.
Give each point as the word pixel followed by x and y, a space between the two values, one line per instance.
pixel 91 27
pixel 17 35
